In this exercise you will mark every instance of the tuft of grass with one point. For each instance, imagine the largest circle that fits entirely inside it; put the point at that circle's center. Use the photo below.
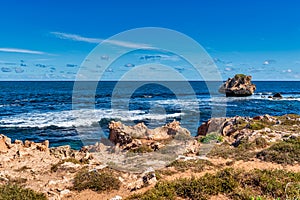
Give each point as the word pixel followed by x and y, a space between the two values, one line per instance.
pixel 141 149
pixel 241 151
pixel 211 138
pixel 96 181
pixel 284 152
pixel 237 76
pixel 193 165
pixel 255 125
pixel 235 184
pixel 55 167
pixel 10 191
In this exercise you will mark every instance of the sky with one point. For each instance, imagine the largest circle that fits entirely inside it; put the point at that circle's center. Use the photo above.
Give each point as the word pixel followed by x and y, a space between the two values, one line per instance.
pixel 52 39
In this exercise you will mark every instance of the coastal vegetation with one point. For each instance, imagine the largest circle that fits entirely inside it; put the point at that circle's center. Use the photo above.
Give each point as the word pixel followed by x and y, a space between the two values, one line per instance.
pixel 96 181
pixel 231 183
pixel 241 161
pixel 17 192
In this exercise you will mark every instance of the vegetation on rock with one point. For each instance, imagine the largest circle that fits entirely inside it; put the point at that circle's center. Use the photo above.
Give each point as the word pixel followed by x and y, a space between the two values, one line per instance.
pixel 234 184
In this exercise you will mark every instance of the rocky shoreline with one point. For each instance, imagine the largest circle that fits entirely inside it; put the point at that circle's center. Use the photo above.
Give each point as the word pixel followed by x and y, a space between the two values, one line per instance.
pixel 135 159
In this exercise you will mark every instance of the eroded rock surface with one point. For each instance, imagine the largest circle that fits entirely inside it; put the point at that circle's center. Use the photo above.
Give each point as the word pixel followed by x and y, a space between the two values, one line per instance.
pixel 238 86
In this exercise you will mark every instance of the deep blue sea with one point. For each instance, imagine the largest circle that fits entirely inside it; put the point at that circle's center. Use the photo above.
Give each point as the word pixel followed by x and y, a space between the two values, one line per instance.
pixel 78 116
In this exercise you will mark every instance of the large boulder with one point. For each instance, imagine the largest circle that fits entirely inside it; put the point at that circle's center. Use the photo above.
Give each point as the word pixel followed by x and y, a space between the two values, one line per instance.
pixel 123 135
pixel 212 125
pixel 238 86
pixel 169 130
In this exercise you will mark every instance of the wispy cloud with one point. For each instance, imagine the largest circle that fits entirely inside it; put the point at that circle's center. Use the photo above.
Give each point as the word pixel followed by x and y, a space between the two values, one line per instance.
pixel 75 37
pixel 15 50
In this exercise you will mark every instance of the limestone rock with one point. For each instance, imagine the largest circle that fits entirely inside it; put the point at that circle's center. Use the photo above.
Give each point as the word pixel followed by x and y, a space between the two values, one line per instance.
pixel 62 152
pixel 3 145
pixel 169 130
pixel 212 125
pixel 124 135
pixel 238 86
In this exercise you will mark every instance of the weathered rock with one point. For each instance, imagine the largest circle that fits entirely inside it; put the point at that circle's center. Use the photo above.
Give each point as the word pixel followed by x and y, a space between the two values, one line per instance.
pixel 62 152
pixel 238 86
pixel 3 143
pixel 147 178
pixel 277 95
pixel 212 125
pixel 124 135
pixel 167 131
pixel 19 142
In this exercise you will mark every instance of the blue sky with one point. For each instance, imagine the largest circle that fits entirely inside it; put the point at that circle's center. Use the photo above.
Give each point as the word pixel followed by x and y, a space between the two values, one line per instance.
pixel 49 39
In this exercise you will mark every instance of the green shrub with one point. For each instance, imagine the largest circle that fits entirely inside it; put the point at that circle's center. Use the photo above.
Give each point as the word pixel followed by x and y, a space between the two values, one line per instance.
pixel 96 181
pixel 284 152
pixel 194 165
pixel 237 185
pixel 54 167
pixel 141 149
pixel 239 76
pixel 15 192
pixel 256 125
pixel 211 137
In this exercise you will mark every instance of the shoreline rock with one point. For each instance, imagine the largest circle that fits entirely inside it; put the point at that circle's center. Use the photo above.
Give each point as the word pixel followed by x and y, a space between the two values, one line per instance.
pixel 52 170
pixel 238 86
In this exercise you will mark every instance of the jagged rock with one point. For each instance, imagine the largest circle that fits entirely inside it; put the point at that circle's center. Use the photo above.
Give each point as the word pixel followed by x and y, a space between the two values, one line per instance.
pixel 238 86
pixel 192 147
pixel 277 95
pixel 124 135
pixel 147 178
pixel 3 143
pixel 19 142
pixel 167 131
pixel 212 125
pixel 62 152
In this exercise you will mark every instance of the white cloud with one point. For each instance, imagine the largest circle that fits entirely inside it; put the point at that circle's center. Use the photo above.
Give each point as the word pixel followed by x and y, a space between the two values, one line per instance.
pixel 15 50
pixel 75 37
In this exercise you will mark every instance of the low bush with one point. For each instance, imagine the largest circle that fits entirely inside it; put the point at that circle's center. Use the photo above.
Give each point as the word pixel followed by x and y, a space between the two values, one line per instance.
pixel 238 185
pixel 15 192
pixel 284 152
pixel 193 165
pixel 96 181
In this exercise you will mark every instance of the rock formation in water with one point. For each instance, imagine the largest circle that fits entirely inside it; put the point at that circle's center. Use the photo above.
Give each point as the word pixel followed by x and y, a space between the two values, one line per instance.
pixel 238 86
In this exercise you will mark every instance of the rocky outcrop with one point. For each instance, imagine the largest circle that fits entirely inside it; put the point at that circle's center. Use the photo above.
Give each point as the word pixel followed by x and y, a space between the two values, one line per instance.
pixel 238 86
pixel 277 95
pixel 236 129
pixel 122 134
pixel 139 135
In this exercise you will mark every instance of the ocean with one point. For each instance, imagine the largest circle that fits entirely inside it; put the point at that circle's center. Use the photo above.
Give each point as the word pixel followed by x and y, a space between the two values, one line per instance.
pixel 62 114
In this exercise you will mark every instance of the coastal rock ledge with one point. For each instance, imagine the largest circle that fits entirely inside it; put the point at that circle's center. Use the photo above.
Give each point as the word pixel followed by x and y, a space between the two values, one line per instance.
pixel 238 86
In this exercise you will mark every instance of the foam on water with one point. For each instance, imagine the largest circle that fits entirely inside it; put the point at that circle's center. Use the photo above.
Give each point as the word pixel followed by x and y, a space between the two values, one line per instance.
pixel 78 118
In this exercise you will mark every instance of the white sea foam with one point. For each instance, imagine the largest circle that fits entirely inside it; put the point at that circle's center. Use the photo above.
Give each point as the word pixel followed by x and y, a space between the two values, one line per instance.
pixel 78 118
